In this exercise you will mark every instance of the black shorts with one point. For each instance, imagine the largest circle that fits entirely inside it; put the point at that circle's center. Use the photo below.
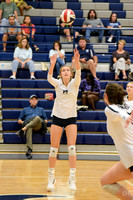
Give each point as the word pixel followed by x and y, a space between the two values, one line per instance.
pixel 131 168
pixel 64 122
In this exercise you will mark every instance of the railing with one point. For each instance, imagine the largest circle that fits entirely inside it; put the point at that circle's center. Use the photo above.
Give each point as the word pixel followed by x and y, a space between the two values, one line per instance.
pixel 74 30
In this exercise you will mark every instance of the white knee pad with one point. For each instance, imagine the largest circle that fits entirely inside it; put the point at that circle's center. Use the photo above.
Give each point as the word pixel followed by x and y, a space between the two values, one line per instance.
pixel 53 152
pixel 72 150
pixel 112 188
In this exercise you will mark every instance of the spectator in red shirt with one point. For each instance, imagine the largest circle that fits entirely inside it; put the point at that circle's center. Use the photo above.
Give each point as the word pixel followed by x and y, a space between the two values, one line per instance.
pixel 26 30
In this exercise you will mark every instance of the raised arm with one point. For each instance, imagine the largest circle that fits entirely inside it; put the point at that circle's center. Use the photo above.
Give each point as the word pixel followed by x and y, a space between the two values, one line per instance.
pixel 52 61
pixel 75 61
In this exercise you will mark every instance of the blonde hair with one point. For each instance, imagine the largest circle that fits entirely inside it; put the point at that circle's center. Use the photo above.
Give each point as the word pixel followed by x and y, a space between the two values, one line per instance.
pixel 123 41
pixel 130 82
pixel 68 67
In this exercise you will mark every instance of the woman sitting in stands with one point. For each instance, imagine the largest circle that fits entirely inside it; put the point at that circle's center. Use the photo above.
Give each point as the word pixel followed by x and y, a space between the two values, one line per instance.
pixel 57 49
pixel 121 60
pixel 113 24
pixel 26 30
pixel 23 59
pixel 90 88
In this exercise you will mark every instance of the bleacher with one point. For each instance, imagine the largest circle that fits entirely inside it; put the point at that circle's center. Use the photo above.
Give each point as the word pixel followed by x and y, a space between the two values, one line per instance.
pixel 15 93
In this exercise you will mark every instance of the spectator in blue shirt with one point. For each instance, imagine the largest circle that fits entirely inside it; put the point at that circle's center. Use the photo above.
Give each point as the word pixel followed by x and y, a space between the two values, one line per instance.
pixel 90 88
pixel 32 118
pixel 88 59
pixel 113 23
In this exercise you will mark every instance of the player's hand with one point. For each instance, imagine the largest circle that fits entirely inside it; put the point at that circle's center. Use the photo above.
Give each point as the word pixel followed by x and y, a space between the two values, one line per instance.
pixel 76 55
pixel 53 59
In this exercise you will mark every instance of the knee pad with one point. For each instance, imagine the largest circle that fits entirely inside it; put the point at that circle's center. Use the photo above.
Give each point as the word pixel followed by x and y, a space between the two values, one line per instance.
pixel 112 188
pixel 53 152
pixel 72 150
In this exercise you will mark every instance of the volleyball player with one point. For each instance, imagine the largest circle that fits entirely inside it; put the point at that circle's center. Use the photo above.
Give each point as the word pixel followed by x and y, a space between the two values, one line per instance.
pixel 64 116
pixel 120 127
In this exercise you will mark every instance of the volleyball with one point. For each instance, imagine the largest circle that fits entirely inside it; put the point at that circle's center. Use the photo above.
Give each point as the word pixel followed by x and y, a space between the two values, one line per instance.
pixel 67 16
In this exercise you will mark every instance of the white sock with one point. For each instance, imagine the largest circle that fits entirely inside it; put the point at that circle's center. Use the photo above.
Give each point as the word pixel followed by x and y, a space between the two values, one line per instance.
pixel 72 171
pixel 51 171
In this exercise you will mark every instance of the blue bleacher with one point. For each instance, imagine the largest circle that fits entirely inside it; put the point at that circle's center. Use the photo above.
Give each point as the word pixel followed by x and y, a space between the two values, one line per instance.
pixel 15 93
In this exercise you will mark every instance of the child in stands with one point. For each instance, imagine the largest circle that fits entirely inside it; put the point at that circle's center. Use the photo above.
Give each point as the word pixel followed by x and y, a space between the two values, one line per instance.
pixel 26 30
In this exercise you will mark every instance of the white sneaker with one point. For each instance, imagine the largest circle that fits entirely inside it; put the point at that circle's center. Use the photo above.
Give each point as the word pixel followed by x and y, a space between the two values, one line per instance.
pixel 72 184
pixel 32 77
pixel 12 77
pixel 51 182
pixel 110 39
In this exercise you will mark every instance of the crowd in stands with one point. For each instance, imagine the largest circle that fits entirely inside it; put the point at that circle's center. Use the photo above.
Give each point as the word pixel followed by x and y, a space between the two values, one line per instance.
pixel 88 58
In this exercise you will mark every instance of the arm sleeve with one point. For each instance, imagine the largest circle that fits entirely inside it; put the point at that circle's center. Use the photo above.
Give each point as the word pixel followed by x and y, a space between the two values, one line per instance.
pixel 114 54
pixel 1 6
pixel 62 51
pixel 115 114
pixel 30 53
pixel 16 53
pixel 22 114
pixel 15 7
pixel 77 78
pixel 33 29
pixel 127 55
pixel 100 22
pixel 52 80
pixel 51 53
pixel 85 23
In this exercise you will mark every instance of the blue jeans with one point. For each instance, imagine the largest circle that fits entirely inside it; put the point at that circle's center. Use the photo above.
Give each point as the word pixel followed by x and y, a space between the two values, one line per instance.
pixel 59 64
pixel 114 32
pixel 29 65
pixel 100 32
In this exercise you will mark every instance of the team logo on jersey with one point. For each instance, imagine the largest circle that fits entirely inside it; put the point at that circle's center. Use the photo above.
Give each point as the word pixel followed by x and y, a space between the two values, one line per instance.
pixel 30 196
pixel 65 91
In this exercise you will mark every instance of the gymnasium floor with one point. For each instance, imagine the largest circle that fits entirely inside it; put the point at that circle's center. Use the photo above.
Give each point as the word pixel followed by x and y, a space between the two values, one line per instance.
pixel 27 179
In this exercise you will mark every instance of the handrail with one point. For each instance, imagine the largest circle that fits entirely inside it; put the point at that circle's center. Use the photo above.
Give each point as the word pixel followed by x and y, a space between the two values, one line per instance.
pixel 75 28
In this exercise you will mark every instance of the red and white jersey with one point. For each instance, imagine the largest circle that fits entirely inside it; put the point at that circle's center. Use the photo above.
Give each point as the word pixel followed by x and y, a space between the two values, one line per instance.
pixel 123 137
pixel 65 104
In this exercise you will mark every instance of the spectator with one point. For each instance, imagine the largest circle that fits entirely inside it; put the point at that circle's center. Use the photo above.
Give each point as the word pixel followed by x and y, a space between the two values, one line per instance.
pixel 21 4
pixel 93 22
pixel 68 32
pixel 90 88
pixel 23 59
pixel 32 118
pixel 129 97
pixel 113 24
pixel 7 8
pixel 121 60
pixel 60 55
pixel 26 31
pixel 88 59
pixel 11 33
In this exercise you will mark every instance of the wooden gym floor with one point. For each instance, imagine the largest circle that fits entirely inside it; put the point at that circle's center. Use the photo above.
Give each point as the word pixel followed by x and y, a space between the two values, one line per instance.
pixel 27 179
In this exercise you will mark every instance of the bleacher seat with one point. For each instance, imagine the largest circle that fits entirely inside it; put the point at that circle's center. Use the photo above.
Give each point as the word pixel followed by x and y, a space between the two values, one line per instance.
pixel 15 93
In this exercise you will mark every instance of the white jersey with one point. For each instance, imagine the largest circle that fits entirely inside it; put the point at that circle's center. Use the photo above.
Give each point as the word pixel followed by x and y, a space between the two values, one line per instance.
pixel 123 137
pixel 65 104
